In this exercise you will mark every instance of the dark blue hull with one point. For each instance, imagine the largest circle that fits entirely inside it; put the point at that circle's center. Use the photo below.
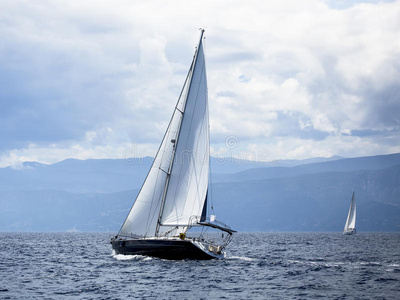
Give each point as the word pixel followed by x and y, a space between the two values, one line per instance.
pixel 165 249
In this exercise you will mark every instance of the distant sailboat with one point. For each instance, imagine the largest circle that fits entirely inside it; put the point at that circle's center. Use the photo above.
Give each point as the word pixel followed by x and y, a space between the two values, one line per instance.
pixel 350 226
pixel 173 198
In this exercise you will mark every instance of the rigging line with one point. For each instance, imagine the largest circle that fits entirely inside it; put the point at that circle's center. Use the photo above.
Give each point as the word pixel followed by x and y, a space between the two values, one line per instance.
pixel 204 44
pixel 163 170
pixel 210 186
pixel 209 163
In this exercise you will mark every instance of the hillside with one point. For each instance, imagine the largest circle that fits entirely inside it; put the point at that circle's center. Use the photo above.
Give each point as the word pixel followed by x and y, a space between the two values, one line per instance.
pixel 96 195
pixel 312 202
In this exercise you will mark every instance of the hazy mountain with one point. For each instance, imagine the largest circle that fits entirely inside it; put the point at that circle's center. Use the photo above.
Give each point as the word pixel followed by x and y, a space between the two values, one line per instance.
pixel 106 175
pixel 313 202
pixel 307 197
pixel 230 165
pixel 339 165
pixel 49 210
pixel 78 176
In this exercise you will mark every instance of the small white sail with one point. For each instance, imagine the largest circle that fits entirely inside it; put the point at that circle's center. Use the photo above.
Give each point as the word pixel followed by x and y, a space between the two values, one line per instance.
pixel 351 217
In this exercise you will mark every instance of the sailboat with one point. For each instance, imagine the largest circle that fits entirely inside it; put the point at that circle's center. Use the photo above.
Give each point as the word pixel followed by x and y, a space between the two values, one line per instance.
pixel 171 218
pixel 350 226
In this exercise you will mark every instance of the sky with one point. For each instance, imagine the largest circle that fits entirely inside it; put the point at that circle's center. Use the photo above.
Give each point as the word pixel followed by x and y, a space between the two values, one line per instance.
pixel 287 79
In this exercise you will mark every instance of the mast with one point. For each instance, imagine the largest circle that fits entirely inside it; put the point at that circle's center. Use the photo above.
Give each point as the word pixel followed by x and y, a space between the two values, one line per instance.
pixel 176 140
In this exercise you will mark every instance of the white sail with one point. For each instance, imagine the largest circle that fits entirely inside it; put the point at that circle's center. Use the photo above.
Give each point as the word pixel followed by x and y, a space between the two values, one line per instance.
pixel 351 218
pixel 176 185
pixel 188 183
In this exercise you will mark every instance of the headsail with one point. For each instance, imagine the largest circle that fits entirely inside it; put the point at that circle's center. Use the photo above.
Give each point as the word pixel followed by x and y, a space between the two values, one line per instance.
pixel 176 185
pixel 351 217
pixel 188 184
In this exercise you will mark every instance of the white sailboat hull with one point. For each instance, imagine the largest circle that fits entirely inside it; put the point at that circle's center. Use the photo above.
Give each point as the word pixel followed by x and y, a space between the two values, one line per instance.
pixel 349 232
pixel 349 227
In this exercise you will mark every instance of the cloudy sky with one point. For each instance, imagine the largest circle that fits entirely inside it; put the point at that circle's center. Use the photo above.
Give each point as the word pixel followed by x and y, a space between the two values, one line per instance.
pixel 287 79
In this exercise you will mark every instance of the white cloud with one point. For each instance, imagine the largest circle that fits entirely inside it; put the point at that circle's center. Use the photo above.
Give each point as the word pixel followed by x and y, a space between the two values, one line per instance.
pixel 302 79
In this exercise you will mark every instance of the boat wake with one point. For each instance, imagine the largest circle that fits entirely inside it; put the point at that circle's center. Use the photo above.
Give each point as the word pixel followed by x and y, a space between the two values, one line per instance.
pixel 130 257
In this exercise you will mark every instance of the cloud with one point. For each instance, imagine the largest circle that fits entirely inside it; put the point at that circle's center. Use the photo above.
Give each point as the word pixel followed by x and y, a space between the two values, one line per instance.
pixel 303 79
pixel 57 84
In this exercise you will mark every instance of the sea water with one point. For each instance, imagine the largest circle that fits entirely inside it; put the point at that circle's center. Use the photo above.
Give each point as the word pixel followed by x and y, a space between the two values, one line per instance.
pixel 257 266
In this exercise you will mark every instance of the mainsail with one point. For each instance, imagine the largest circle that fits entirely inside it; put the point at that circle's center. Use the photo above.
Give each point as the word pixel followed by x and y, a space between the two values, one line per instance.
pixel 351 218
pixel 176 186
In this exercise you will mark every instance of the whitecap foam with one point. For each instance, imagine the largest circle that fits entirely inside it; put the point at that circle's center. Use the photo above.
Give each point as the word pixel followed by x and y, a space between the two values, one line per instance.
pixel 241 258
pixel 130 257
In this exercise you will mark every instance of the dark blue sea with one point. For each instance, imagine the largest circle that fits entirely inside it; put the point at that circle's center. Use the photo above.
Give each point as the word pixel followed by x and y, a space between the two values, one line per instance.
pixel 257 266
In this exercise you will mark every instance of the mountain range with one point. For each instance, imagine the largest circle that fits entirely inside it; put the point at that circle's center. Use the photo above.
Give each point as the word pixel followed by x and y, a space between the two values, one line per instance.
pixel 284 195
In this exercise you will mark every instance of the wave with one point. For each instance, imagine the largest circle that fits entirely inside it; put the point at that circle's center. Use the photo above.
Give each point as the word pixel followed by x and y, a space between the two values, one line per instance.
pixel 130 257
pixel 244 258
